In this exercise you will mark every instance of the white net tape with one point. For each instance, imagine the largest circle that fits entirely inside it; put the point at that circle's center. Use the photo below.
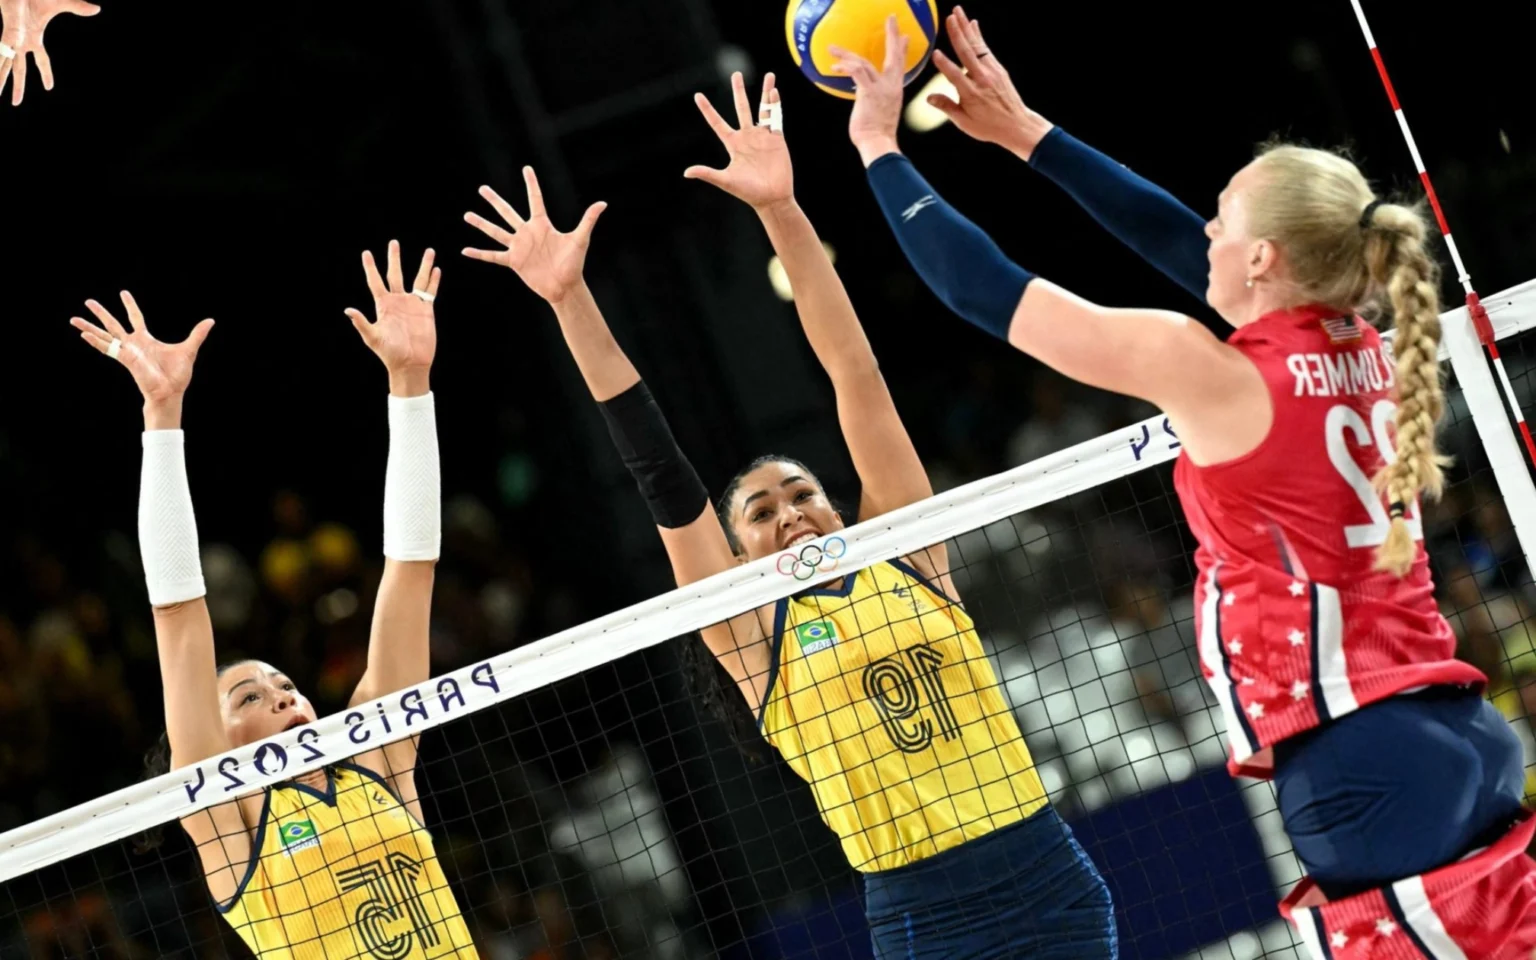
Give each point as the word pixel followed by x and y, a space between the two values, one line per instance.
pixel 498 679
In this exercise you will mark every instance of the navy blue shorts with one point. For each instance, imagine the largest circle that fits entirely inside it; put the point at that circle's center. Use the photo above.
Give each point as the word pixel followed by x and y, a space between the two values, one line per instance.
pixel 1399 788
pixel 1027 890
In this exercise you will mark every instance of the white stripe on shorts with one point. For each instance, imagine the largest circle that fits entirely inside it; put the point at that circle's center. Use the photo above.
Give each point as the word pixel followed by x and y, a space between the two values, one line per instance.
pixel 1421 916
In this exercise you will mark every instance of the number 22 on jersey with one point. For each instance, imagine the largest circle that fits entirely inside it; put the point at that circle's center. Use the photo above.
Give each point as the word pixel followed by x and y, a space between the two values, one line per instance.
pixel 1344 426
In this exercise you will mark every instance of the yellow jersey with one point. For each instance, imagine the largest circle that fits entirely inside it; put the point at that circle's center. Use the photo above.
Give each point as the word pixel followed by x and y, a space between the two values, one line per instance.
pixel 347 873
pixel 881 697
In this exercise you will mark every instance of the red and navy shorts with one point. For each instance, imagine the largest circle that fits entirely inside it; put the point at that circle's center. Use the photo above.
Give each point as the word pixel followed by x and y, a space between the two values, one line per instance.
pixel 1482 907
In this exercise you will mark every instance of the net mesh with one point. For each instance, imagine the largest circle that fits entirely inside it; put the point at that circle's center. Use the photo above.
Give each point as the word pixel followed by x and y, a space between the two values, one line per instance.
pixel 1484 569
pixel 611 813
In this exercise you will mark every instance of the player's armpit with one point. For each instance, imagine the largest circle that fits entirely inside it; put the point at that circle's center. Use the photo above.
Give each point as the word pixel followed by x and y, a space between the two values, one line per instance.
pixel 700 550
pixel 222 836
pixel 741 645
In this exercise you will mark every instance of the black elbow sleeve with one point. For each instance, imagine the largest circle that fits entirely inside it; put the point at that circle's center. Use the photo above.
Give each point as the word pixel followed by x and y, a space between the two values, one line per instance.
pixel 672 489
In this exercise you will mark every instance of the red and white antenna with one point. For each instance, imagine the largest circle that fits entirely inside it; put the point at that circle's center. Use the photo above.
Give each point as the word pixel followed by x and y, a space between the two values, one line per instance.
pixel 1475 309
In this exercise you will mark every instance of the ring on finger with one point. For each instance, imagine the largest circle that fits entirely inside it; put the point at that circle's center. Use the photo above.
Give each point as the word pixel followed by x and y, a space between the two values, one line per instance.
pixel 7 52
pixel 115 348
pixel 424 295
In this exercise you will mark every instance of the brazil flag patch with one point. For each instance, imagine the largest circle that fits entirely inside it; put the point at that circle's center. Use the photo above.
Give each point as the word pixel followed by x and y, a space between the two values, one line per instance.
pixel 816 637
pixel 298 835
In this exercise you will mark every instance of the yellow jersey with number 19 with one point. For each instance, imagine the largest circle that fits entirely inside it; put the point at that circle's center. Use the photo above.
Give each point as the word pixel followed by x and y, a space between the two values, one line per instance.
pixel 347 873
pixel 881 697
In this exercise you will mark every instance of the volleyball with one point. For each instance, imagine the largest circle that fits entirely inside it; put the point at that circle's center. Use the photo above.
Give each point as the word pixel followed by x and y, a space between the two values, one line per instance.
pixel 857 25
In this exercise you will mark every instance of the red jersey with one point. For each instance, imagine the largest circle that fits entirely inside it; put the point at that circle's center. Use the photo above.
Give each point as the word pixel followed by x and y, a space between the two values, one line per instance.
pixel 1295 628
pixel 1482 907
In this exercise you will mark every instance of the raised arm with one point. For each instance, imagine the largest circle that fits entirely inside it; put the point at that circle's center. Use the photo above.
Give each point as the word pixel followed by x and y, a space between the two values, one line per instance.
pixel 404 338
pixel 760 175
pixel 1142 353
pixel 1139 213
pixel 173 572
pixel 551 263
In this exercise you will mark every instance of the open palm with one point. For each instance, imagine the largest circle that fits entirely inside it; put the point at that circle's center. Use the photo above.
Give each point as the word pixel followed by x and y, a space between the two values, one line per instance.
pixel 760 172
pixel 162 371
pixel 877 107
pixel 548 261
pixel 404 335
pixel 25 22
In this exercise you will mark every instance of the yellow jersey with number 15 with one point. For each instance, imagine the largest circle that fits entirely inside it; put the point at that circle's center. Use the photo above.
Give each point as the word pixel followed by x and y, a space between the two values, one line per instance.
pixel 881 697
pixel 347 873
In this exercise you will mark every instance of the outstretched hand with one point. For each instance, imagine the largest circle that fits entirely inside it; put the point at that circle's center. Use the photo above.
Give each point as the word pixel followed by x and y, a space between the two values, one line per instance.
pixel 404 335
pixel 162 371
pixel 878 94
pixel 759 172
pixel 24 24
pixel 990 108
pixel 548 261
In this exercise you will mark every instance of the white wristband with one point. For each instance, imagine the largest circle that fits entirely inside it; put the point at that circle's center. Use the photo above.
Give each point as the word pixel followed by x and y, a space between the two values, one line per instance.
pixel 413 486
pixel 173 569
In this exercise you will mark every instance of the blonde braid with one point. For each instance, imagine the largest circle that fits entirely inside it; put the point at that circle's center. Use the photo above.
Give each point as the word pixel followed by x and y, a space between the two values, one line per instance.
pixel 1397 260
pixel 1346 249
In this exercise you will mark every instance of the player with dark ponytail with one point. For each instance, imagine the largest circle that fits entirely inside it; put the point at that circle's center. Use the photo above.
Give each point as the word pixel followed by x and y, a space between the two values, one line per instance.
pixel 874 688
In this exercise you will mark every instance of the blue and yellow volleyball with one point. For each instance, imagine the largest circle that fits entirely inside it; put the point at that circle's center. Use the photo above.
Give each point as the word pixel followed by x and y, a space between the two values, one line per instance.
pixel 857 25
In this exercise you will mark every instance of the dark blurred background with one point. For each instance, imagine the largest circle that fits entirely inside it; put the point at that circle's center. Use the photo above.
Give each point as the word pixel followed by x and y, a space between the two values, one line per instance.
pixel 232 160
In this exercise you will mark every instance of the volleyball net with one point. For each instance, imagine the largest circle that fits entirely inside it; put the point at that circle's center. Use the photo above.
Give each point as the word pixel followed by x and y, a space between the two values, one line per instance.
pixel 1497 631
pixel 584 800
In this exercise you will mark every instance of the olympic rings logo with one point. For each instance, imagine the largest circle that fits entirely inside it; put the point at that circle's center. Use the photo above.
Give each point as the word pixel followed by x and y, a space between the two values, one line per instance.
pixel 813 559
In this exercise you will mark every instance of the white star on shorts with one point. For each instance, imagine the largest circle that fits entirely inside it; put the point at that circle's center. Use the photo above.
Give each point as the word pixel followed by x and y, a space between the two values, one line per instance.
pixel 1229 599
pixel 1297 589
pixel 1256 710
pixel 1299 690
pixel 1236 646
pixel 1385 927
pixel 1296 637
pixel 1340 940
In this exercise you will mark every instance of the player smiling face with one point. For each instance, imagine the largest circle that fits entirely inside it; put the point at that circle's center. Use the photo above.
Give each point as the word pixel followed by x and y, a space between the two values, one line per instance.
pixel 776 504
pixel 257 700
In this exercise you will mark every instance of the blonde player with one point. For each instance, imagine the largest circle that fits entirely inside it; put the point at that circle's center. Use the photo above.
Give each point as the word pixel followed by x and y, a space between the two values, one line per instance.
pixel 875 687
pixel 335 863
pixel 1306 444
